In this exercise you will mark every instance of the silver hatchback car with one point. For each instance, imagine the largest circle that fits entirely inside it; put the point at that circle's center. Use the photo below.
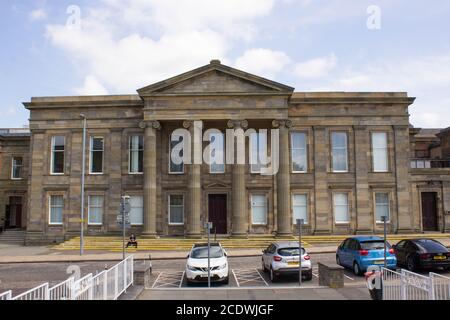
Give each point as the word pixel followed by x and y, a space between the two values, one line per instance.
pixel 282 259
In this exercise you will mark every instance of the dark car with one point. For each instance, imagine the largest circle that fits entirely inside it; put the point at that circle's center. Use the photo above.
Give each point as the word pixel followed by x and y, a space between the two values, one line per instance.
pixel 422 254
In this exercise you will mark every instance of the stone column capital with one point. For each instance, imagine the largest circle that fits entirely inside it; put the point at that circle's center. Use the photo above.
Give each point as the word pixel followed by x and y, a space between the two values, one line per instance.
pixel 237 124
pixel 188 124
pixel 150 124
pixel 286 123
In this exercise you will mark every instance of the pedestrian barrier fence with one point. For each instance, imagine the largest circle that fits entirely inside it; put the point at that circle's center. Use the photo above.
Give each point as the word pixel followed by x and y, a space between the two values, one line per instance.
pixel 6 295
pixel 107 285
pixel 406 285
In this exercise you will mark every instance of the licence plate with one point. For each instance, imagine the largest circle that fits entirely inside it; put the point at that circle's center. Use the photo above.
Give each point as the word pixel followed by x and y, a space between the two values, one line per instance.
pixel 379 262
pixel 293 263
pixel 440 258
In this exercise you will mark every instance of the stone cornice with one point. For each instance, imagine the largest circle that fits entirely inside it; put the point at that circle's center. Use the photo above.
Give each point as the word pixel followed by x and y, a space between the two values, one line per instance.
pixel 84 102
pixel 351 98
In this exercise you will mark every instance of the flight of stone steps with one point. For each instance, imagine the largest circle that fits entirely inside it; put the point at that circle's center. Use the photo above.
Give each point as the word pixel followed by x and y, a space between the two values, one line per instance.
pixel 13 236
pixel 114 244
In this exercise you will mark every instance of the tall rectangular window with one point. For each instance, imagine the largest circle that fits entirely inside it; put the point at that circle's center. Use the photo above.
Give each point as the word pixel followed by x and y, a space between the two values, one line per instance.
pixel 341 208
pixel 16 170
pixel 299 152
pixel 96 166
pixel 382 206
pixel 300 207
pixel 259 209
pixel 56 208
pixel 217 154
pixel 339 151
pixel 258 151
pixel 57 157
pixel 380 152
pixel 95 210
pixel 137 210
pixel 136 154
pixel 176 209
pixel 176 141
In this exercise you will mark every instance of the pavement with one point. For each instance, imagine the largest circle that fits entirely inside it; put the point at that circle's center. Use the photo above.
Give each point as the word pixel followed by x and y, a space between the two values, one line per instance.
pixel 45 254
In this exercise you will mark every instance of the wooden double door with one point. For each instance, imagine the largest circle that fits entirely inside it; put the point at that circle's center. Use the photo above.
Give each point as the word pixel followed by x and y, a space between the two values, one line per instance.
pixel 14 213
pixel 429 211
pixel 217 210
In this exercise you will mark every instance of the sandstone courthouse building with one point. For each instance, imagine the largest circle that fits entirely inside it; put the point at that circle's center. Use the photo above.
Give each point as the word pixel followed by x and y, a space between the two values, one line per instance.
pixel 346 159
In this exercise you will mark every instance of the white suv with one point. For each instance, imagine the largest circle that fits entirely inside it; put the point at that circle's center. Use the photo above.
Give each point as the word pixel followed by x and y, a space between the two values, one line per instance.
pixel 197 264
pixel 283 258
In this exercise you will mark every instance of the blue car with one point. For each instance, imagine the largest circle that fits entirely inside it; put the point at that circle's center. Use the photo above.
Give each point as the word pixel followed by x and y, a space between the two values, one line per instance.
pixel 358 253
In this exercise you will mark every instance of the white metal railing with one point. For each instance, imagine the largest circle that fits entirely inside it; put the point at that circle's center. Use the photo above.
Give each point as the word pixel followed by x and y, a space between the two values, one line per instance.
pixel 62 291
pixel 6 295
pixel 441 286
pixel 107 285
pixel 38 293
pixel 406 285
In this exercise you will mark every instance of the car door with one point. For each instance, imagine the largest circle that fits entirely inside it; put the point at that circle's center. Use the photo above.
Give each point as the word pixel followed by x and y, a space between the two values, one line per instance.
pixel 343 252
pixel 353 248
pixel 268 255
pixel 410 250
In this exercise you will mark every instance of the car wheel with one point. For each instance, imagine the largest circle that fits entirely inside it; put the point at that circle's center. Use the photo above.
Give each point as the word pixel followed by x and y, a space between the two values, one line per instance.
pixel 411 264
pixel 308 276
pixel 338 260
pixel 356 269
pixel 273 276
pixel 227 280
pixel 263 266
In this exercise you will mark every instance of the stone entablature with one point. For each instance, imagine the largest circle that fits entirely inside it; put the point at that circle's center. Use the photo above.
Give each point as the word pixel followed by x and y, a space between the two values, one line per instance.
pixel 223 97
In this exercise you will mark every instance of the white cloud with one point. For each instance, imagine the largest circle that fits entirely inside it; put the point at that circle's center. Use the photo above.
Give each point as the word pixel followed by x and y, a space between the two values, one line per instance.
pixel 38 14
pixel 263 62
pixel 130 44
pixel 91 87
pixel 316 68
pixel 427 78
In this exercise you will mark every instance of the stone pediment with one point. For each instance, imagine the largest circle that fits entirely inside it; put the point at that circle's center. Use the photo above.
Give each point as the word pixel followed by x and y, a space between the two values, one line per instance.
pixel 215 78
pixel 216 185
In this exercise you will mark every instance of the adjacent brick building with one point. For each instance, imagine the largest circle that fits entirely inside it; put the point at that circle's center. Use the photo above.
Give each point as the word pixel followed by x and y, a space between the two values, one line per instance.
pixel 346 159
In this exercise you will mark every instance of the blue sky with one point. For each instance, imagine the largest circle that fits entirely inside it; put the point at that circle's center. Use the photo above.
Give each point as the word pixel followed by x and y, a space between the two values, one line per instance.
pixel 118 46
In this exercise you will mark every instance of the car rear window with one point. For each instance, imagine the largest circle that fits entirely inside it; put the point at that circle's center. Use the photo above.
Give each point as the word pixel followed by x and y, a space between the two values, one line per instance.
pixel 289 252
pixel 430 246
pixel 373 245
pixel 202 253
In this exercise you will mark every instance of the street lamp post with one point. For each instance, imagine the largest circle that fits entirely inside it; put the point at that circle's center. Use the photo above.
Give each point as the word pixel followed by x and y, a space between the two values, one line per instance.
pixel 83 169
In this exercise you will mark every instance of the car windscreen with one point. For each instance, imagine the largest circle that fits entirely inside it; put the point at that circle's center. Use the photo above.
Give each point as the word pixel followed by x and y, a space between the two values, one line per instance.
pixel 373 245
pixel 289 252
pixel 430 246
pixel 202 253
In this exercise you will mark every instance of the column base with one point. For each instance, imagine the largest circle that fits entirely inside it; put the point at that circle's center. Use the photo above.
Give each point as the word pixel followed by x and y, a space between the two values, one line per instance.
pixel 194 236
pixel 285 235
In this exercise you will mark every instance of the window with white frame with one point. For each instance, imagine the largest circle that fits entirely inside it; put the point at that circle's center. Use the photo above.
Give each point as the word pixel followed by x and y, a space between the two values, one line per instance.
pixel 137 210
pixel 259 209
pixel 56 207
pixel 217 154
pixel 339 151
pixel 176 168
pixel 380 151
pixel 97 148
pixel 382 206
pixel 16 170
pixel 300 207
pixel 258 151
pixel 341 208
pixel 299 152
pixel 95 209
pixel 57 157
pixel 176 209
pixel 136 154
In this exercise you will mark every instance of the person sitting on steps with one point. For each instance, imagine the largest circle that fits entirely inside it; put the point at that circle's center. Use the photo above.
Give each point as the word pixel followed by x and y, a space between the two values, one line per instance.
pixel 132 241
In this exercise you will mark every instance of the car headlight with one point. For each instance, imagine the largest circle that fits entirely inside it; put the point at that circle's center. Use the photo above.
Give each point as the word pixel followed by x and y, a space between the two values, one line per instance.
pixel 222 267
pixel 191 268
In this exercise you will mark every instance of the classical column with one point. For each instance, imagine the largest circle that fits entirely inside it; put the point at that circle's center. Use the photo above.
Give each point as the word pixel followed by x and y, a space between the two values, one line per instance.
pixel 284 220
pixel 195 191
pixel 150 190
pixel 239 197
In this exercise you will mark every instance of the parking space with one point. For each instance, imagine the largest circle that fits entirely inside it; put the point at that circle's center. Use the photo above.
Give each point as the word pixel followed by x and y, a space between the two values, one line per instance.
pixel 243 274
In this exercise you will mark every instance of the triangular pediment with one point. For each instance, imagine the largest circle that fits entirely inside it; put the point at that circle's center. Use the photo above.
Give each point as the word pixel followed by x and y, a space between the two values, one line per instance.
pixel 216 185
pixel 215 78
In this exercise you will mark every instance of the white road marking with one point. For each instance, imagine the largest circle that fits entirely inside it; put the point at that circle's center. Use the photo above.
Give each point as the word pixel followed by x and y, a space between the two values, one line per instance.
pixel 169 279
pixel 262 277
pixel 156 281
pixel 349 277
pixel 234 274
pixel 182 278
pixel 248 275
